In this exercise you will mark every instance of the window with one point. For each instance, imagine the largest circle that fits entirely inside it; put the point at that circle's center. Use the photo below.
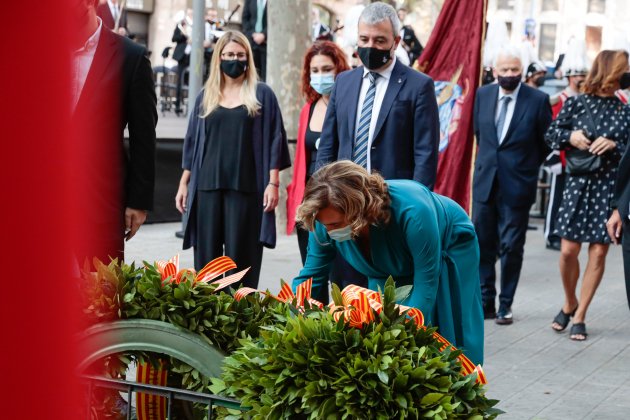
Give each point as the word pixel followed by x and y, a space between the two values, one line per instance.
pixel 508 25
pixel 550 5
pixel 547 47
pixel 505 4
pixel 593 38
pixel 596 6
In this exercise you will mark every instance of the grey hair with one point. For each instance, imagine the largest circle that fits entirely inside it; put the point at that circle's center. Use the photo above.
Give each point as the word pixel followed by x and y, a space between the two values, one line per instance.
pixel 508 51
pixel 378 12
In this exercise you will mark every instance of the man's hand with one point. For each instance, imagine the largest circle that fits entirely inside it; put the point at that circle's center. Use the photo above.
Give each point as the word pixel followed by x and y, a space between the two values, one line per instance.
pixel 258 37
pixel 614 226
pixel 133 220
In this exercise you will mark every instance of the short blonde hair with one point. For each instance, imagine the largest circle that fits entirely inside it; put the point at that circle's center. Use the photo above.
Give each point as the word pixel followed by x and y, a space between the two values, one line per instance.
pixel 214 85
pixel 362 197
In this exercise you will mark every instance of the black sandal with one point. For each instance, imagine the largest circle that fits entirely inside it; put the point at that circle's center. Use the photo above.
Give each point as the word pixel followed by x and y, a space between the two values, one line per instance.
pixel 562 319
pixel 578 329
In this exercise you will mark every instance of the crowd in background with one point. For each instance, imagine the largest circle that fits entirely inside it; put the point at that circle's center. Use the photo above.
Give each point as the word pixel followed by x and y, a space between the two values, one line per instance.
pixel 373 117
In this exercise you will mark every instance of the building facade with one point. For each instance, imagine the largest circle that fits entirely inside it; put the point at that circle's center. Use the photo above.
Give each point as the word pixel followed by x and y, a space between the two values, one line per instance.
pixel 602 24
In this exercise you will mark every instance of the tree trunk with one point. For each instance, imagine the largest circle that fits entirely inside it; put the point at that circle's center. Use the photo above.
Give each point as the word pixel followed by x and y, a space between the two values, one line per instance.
pixel 288 38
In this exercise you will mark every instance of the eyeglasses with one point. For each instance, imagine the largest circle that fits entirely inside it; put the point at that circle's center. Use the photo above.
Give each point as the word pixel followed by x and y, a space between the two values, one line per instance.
pixel 234 56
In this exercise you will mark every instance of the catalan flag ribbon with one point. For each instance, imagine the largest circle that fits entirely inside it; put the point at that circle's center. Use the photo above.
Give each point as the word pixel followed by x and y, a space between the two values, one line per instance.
pixel 150 406
pixel 171 273
pixel 360 306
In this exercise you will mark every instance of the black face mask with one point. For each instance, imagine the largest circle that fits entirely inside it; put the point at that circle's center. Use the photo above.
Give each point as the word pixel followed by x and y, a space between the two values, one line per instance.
pixel 373 58
pixel 509 83
pixel 233 68
pixel 540 81
pixel 624 82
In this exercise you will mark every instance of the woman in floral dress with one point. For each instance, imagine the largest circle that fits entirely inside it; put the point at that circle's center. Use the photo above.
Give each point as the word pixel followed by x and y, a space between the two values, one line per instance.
pixel 587 201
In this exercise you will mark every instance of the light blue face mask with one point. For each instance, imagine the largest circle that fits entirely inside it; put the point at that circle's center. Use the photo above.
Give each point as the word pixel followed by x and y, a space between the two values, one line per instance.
pixel 322 83
pixel 341 234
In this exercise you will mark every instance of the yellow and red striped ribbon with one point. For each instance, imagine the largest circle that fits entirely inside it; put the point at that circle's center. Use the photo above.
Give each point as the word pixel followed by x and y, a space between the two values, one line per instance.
pixel 215 268
pixel 150 406
pixel 303 292
pixel 358 303
pixel 231 279
pixel 358 307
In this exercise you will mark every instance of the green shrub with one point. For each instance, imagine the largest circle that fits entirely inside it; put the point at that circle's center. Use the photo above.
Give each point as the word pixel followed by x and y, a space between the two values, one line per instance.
pixel 314 367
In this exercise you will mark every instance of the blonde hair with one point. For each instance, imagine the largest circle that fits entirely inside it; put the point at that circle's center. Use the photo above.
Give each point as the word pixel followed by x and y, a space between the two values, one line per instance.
pixel 605 72
pixel 362 197
pixel 214 85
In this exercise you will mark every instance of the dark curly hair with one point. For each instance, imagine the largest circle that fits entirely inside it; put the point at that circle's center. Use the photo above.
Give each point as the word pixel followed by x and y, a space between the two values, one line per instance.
pixel 330 49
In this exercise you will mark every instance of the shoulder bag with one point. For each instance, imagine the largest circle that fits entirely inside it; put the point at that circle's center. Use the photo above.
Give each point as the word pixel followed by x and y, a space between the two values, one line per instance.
pixel 583 162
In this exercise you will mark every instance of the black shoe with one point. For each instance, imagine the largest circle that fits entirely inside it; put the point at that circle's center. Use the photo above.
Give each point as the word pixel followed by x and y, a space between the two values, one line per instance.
pixel 553 244
pixel 489 311
pixel 504 316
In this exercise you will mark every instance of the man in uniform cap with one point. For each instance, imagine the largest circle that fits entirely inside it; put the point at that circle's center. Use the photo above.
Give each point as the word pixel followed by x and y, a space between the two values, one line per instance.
pixel 535 75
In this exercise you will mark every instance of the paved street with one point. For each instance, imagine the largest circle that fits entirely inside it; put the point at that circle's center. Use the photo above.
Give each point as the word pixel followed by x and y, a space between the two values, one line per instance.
pixel 535 372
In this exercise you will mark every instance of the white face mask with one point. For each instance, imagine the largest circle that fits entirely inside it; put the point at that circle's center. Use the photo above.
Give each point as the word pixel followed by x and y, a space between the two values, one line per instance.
pixel 342 234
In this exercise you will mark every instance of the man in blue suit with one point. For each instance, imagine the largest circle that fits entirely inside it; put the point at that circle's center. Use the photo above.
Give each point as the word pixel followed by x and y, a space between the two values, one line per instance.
pixel 510 120
pixel 382 115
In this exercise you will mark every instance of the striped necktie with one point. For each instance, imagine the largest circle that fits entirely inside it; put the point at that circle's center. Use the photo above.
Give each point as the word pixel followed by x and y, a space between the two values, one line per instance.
pixel 359 154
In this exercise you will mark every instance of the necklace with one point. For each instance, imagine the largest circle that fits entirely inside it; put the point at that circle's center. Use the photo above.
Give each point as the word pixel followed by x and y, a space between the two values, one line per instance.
pixel 325 102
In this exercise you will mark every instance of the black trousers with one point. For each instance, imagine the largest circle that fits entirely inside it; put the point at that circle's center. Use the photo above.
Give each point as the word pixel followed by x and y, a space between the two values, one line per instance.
pixel 229 224
pixel 625 248
pixel 181 67
pixel 501 231
pixel 260 59
pixel 555 199
pixel 341 273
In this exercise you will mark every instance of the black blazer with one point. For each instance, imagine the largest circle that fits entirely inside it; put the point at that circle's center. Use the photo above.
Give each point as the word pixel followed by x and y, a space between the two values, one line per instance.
pixel 407 134
pixel 179 53
pixel 118 92
pixel 514 163
pixel 250 11
pixel 622 188
pixel 105 14
pixel 410 39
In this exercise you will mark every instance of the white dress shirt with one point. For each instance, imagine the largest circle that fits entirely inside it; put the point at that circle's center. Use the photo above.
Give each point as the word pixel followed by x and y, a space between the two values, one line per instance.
pixel 381 86
pixel 81 63
pixel 114 10
pixel 510 109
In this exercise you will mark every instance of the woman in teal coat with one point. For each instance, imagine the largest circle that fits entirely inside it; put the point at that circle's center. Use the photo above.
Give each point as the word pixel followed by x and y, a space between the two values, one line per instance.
pixel 397 228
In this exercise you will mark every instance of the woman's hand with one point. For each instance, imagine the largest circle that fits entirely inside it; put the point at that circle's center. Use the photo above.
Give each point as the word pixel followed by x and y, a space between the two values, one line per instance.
pixel 602 145
pixel 181 198
pixel 579 140
pixel 270 199
pixel 182 192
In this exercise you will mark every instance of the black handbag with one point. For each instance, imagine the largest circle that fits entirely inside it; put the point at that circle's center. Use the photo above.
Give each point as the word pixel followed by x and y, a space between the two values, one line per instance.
pixel 583 162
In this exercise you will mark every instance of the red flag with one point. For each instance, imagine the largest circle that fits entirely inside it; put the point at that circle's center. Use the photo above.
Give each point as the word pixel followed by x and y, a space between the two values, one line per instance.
pixel 452 58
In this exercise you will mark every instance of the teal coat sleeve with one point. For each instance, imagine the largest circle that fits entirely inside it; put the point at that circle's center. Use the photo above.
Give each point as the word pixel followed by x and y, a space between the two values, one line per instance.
pixel 321 253
pixel 422 235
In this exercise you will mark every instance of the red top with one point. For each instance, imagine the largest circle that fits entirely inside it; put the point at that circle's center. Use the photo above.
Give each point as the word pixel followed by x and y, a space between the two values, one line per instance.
pixel 295 190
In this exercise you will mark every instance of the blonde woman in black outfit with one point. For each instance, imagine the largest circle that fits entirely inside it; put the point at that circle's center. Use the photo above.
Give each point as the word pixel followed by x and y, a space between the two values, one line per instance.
pixel 233 151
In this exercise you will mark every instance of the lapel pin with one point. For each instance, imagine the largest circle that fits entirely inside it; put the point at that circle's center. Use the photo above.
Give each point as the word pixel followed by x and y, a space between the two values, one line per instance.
pixel 399 80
